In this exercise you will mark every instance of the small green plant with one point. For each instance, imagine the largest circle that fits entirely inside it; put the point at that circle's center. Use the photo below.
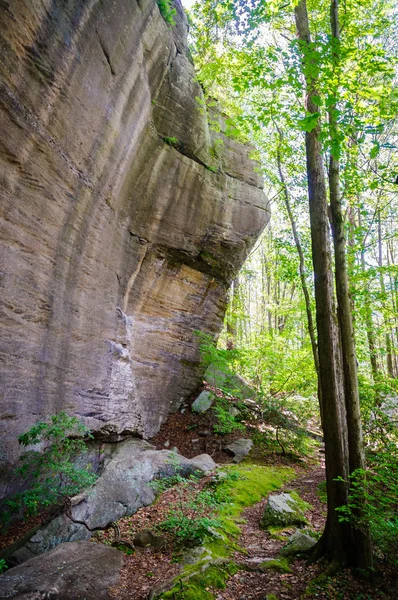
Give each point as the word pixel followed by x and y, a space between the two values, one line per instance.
pixel 226 422
pixel 52 474
pixel 167 11
pixel 3 565
pixel 188 531
pixel 171 141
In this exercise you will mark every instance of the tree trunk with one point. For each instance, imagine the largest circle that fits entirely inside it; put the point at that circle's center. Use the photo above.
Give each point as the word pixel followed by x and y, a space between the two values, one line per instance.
pixel 390 367
pixel 356 456
pixel 370 333
pixel 304 286
pixel 336 542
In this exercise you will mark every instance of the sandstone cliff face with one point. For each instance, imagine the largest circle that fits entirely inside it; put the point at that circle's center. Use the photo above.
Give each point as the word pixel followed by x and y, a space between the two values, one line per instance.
pixel 117 241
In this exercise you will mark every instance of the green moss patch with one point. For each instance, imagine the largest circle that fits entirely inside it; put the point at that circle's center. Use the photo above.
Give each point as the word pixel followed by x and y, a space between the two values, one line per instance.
pixel 243 486
pixel 279 565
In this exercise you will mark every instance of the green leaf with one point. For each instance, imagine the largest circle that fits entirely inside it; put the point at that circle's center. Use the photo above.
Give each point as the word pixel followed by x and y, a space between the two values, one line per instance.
pixel 309 122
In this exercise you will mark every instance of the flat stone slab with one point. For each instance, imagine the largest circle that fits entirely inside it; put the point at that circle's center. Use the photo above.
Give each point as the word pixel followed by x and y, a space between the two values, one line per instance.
pixel 240 448
pixel 282 510
pixel 203 402
pixel 78 570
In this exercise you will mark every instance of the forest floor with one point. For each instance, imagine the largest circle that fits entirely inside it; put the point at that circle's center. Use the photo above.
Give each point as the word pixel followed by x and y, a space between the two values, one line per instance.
pixel 148 568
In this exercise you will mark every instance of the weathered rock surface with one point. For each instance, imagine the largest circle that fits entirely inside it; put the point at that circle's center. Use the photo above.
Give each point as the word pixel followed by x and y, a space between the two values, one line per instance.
pixel 234 383
pixel 82 571
pixel 240 449
pixel 121 490
pixel 282 510
pixel 203 402
pixel 123 215
pixel 298 543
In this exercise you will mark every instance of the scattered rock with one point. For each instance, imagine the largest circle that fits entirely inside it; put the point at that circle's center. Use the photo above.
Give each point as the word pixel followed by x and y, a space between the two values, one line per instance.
pixel 204 433
pixel 282 510
pixel 280 566
pixel 78 570
pixel 195 555
pixel 298 543
pixel 233 411
pixel 120 491
pixel 146 538
pixel 240 448
pixel 203 462
pixel 235 384
pixel 203 402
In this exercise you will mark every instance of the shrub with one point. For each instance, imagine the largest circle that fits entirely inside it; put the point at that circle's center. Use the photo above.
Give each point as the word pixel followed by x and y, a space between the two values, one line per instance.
pixel 226 421
pixel 52 475
pixel 378 486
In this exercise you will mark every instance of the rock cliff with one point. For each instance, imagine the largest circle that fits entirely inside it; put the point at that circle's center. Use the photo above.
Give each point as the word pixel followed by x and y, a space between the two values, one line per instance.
pixel 124 216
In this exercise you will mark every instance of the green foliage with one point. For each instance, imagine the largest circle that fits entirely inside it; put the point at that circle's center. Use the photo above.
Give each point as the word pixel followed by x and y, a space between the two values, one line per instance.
pixel 378 486
pixel 167 11
pixel 3 565
pixel 171 141
pixel 186 530
pixel 226 421
pixel 53 474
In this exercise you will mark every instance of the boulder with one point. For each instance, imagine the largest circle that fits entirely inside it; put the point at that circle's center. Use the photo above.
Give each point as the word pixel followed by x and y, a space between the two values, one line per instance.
pixel 78 570
pixel 121 490
pixel 298 543
pixel 233 382
pixel 203 402
pixel 240 448
pixel 282 510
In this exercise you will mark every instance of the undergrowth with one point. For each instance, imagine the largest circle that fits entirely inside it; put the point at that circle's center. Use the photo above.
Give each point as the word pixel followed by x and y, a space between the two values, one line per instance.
pixel 234 489
pixel 51 473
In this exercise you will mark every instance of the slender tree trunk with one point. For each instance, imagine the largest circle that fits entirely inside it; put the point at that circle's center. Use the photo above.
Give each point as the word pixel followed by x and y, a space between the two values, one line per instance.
pixel 232 317
pixel 336 542
pixel 304 286
pixel 390 367
pixel 370 332
pixel 351 394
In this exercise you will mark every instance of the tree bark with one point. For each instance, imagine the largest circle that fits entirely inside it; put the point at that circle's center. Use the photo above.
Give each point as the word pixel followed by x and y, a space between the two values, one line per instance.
pixel 336 542
pixel 356 453
pixel 370 332
pixel 304 286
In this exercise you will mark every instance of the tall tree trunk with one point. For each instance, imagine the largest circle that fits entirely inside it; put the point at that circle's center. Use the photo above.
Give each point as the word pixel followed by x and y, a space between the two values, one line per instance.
pixel 304 286
pixel 370 332
pixel 232 316
pixel 336 542
pixel 356 455
pixel 390 366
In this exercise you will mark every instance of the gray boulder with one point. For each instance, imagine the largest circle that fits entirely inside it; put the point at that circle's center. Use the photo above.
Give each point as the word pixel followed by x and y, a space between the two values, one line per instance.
pixel 298 543
pixel 122 489
pixel 233 382
pixel 203 402
pixel 282 510
pixel 240 448
pixel 82 571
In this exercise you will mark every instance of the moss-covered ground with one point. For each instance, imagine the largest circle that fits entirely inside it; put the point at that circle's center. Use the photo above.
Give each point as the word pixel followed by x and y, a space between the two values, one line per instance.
pixel 243 485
